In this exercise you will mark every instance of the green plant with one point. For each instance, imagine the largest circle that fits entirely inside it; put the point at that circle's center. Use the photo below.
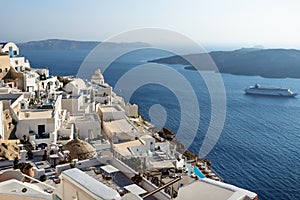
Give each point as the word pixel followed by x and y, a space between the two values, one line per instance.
pixel 73 164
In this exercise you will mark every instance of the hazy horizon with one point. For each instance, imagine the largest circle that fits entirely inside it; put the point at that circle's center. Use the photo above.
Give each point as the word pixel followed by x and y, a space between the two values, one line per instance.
pixel 232 23
pixel 207 47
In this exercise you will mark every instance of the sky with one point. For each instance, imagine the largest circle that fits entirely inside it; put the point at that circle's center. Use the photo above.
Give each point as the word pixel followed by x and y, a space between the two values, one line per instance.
pixel 244 23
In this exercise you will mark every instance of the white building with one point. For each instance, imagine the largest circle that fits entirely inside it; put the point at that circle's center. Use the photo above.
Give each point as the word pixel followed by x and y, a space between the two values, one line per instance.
pixel 132 110
pixel 121 130
pixel 153 155
pixel 111 112
pixel 144 146
pixel 88 126
pixel 78 98
pixel 77 105
pixel 78 185
pixel 214 190
pixel 30 79
pixel 9 48
pixel 42 125
pixel 48 84
pixel 101 93
pixel 17 190
pixel 147 145
pixel 18 62
pixel 42 71
pixel 76 87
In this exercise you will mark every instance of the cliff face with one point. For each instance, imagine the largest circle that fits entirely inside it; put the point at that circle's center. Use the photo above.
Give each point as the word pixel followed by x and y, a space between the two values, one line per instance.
pixel 271 63
pixel 56 44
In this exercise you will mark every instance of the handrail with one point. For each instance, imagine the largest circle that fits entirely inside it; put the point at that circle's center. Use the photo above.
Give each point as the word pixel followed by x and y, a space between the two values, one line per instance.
pixel 160 188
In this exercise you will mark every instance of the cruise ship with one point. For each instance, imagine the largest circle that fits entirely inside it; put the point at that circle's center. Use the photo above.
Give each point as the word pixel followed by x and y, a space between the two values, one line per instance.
pixel 257 89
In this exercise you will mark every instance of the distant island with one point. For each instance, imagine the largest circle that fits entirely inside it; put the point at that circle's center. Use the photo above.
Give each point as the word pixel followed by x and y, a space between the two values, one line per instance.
pixel 269 63
pixel 58 44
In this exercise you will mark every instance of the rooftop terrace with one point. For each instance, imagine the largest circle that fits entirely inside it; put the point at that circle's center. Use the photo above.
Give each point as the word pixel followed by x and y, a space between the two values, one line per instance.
pixel 36 114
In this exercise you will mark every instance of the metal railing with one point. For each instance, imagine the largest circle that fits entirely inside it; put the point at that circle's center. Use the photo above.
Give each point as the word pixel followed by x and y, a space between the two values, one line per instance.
pixel 160 188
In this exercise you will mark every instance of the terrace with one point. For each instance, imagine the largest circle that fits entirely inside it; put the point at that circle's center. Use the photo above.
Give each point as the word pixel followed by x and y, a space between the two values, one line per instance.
pixel 115 179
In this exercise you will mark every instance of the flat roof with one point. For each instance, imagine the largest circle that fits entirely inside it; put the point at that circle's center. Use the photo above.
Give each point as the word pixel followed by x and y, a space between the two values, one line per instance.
pixel 121 125
pixel 162 164
pixel 36 114
pixel 92 185
pixel 109 169
pixel 213 190
pixel 110 109
pixel 135 189
pixel 204 190
pixel 123 148
pixel 90 117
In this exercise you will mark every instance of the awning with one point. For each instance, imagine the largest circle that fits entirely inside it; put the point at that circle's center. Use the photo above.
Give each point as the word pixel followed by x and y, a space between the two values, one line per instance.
pixel 135 189
pixel 109 169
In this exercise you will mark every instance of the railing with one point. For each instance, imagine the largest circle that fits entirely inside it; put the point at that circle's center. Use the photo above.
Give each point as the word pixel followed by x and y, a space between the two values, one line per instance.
pixel 45 184
pixel 160 188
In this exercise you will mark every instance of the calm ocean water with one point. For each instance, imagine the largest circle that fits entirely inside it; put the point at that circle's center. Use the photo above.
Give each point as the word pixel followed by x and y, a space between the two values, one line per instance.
pixel 259 145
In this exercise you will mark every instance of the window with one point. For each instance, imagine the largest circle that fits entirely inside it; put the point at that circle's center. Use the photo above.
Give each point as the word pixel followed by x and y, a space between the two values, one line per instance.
pixel 6 69
pixel 0 70
pixel 41 129
pixel 17 62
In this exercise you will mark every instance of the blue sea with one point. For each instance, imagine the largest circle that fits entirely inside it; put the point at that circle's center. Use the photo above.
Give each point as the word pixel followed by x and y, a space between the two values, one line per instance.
pixel 259 145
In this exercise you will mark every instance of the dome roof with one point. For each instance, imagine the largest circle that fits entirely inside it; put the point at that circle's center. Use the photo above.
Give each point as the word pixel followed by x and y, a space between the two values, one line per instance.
pixel 98 73
pixel 97 77
pixel 75 85
pixel 79 149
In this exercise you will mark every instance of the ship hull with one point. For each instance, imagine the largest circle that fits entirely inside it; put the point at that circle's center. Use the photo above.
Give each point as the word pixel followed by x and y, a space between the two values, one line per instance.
pixel 269 93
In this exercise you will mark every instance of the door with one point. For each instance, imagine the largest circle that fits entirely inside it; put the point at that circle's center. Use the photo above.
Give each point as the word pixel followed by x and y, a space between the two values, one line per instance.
pixel 41 129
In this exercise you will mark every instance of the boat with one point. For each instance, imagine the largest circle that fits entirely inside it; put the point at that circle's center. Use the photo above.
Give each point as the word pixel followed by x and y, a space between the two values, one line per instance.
pixel 270 91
